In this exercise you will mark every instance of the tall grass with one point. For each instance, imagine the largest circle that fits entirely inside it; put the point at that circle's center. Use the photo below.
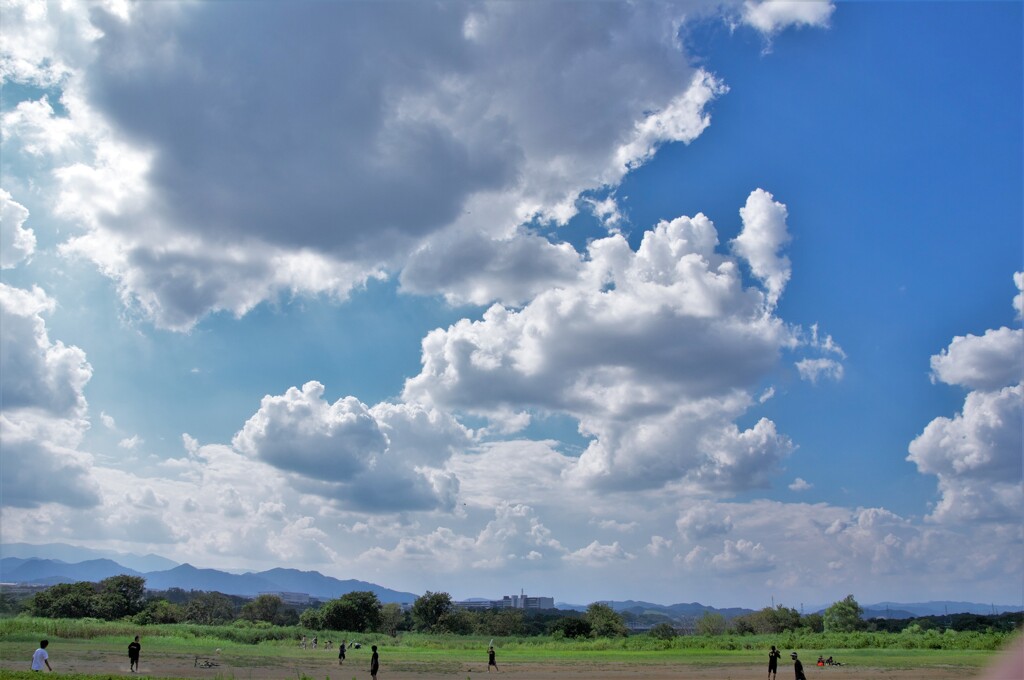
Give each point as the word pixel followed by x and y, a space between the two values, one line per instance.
pixel 28 629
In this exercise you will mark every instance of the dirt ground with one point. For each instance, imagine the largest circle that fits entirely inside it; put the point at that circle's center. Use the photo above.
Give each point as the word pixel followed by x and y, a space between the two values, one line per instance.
pixel 226 668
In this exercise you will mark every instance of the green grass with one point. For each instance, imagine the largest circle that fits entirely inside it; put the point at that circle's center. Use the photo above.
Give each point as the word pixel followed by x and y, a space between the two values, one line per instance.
pixel 263 646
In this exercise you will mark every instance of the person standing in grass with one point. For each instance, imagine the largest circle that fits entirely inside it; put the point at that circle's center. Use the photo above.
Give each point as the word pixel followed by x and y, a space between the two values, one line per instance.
pixel 41 657
pixel 134 649
pixel 374 663
pixel 490 659
pixel 341 653
pixel 798 668
pixel 773 663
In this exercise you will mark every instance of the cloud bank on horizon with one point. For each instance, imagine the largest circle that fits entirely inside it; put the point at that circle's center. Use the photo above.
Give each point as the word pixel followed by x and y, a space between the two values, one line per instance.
pixel 596 405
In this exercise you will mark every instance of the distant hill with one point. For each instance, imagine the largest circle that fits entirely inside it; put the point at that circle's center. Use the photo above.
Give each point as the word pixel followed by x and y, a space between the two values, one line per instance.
pixel 48 572
pixel 71 554
pixel 874 612
pixel 185 576
pixel 937 608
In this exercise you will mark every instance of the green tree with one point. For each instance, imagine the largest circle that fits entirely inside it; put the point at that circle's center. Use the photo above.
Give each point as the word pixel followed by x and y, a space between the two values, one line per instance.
pixel 604 621
pixel 571 627
pixel 311 619
pixel 662 631
pixel 814 622
pixel 501 622
pixel 358 611
pixel 120 596
pixel 428 609
pixel 455 622
pixel 210 609
pixel 64 601
pixel 8 604
pixel 392 619
pixel 159 611
pixel 267 608
pixel 843 616
pixel 711 623
pixel 769 620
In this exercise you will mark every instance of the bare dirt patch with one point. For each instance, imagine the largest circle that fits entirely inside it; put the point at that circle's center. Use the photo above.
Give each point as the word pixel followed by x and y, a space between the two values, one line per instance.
pixel 222 667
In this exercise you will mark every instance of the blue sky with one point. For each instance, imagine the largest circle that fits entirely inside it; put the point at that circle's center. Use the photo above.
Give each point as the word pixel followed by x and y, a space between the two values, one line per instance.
pixel 673 302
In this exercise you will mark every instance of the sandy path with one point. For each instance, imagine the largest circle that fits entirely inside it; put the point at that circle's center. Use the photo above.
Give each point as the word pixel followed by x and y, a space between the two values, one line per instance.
pixel 99 662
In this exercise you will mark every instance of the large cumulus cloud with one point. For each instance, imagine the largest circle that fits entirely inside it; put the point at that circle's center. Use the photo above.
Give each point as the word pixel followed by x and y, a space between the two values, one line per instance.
pixel 976 454
pixel 218 155
pixel 655 352
pixel 16 242
pixel 386 458
pixel 43 420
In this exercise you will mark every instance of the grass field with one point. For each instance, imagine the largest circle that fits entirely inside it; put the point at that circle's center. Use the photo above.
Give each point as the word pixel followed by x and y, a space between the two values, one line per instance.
pixel 88 650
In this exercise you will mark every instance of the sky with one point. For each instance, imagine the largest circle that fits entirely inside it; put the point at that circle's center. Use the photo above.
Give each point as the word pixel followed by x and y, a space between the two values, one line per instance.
pixel 676 302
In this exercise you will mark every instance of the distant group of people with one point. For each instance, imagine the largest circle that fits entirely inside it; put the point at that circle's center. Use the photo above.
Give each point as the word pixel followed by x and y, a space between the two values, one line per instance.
pixel 798 667
pixel 41 658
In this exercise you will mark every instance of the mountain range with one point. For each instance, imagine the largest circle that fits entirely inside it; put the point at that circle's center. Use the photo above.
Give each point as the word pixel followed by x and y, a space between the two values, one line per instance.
pixel 61 563
pixel 36 571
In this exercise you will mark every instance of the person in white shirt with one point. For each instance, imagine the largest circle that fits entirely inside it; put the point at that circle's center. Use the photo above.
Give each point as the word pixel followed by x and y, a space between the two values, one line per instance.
pixel 41 657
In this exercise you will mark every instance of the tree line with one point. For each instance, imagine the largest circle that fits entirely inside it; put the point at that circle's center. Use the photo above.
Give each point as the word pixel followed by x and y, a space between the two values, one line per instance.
pixel 847 616
pixel 125 598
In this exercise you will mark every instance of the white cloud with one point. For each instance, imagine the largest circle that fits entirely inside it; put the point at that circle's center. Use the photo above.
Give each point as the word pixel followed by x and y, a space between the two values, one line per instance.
pixel 764 233
pixel 985 362
pixel 131 443
pixel 515 536
pixel 800 484
pixel 42 465
pixel 646 349
pixel 810 548
pixel 1018 300
pixel 43 41
pixel 176 216
pixel 16 242
pixel 300 432
pixel 467 266
pixel 37 372
pixel 813 369
pixel 613 525
pixel 596 554
pixel 511 471
pixel 771 16
pixel 43 420
pixel 701 521
pixel 976 454
pixel 736 557
pixel 387 458
pixel 606 210
pixel 658 545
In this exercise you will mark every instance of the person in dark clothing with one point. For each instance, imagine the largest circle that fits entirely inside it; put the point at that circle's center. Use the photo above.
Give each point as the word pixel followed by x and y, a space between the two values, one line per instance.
pixel 341 653
pixel 374 663
pixel 798 668
pixel 134 648
pixel 773 663
pixel 490 660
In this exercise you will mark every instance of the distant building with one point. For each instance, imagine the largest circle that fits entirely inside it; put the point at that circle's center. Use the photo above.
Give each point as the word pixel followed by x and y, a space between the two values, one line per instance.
pixel 524 601
pixel 521 601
